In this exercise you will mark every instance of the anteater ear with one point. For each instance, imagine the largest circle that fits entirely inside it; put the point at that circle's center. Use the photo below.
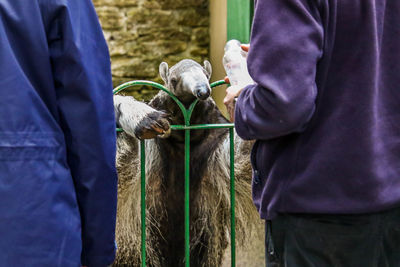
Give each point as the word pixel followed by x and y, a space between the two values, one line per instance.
pixel 208 68
pixel 164 72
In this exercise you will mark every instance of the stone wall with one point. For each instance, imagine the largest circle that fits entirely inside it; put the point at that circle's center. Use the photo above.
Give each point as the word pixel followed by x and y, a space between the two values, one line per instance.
pixel 143 33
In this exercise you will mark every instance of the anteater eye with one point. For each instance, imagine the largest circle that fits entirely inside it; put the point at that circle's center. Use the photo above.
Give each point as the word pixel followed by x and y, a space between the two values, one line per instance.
pixel 173 82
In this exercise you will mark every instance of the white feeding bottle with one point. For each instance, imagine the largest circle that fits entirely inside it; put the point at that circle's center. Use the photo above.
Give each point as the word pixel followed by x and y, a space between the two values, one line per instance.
pixel 235 64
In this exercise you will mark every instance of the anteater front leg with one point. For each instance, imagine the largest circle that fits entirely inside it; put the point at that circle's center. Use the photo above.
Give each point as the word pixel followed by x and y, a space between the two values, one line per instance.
pixel 139 119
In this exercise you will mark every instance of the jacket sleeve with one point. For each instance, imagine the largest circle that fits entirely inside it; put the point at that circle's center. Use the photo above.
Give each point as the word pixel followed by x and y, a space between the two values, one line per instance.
pixel 82 73
pixel 286 44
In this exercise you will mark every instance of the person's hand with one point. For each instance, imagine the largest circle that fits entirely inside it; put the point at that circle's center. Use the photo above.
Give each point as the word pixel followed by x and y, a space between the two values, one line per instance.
pixel 245 47
pixel 233 92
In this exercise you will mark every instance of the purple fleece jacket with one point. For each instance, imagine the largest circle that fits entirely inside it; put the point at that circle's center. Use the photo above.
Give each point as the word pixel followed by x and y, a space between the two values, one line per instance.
pixel 325 107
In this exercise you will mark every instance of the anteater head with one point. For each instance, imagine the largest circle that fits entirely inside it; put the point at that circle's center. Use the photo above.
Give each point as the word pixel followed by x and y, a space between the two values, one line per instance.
pixel 187 79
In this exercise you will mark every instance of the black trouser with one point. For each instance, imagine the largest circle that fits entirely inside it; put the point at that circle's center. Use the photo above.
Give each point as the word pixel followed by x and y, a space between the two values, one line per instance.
pixel 369 240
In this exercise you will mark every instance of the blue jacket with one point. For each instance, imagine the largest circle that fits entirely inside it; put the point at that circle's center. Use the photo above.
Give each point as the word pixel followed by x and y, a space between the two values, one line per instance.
pixel 58 180
pixel 325 108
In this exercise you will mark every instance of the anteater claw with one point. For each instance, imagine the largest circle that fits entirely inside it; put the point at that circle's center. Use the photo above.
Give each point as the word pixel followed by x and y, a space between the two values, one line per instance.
pixel 153 125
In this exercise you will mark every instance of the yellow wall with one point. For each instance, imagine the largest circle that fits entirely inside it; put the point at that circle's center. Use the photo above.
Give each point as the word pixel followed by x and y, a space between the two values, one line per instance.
pixel 218 30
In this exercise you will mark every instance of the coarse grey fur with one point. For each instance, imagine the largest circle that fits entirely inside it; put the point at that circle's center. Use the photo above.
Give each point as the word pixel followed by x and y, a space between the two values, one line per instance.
pixel 209 182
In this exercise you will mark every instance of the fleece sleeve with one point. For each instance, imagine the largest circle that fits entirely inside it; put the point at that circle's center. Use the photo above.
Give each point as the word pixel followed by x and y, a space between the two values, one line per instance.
pixel 286 44
pixel 81 69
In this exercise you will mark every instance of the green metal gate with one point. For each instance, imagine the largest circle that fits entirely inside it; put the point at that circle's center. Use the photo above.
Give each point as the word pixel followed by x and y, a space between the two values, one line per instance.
pixel 187 127
pixel 239 19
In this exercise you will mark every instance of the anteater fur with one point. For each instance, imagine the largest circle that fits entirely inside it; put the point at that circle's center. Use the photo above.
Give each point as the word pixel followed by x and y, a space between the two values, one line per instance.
pixel 209 178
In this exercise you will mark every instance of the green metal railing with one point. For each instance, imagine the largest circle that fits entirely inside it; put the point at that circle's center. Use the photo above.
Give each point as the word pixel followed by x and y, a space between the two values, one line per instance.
pixel 187 127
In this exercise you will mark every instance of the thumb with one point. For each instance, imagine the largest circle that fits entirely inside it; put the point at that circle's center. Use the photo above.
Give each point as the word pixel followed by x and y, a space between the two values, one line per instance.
pixel 245 47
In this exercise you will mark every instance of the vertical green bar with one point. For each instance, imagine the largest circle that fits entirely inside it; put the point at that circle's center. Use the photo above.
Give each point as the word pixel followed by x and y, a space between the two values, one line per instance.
pixel 187 191
pixel 233 230
pixel 143 198
pixel 240 13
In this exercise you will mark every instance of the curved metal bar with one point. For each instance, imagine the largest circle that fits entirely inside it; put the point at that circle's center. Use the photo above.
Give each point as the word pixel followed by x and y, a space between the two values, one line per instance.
pixel 190 112
pixel 187 113
pixel 193 105
pixel 155 85
pixel 218 83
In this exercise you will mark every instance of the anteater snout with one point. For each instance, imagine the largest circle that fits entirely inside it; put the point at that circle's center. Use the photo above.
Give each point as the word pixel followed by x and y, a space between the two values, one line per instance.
pixel 202 92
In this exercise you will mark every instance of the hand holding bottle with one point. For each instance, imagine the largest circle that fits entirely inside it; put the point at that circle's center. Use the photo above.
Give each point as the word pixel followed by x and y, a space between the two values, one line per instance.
pixel 235 65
